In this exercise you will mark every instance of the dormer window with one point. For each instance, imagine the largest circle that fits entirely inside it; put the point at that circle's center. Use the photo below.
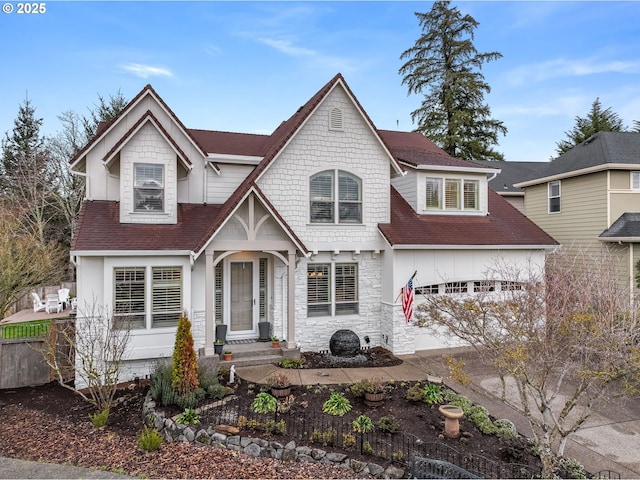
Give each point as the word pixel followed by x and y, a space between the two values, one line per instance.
pixel 148 187
pixel 452 193
pixel 331 200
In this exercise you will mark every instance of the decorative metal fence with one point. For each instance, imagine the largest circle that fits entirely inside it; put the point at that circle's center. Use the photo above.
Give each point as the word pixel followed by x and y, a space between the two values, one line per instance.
pixel 337 434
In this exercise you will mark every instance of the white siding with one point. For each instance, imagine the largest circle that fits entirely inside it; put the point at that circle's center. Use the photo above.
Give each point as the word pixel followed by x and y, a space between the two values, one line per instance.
pixel 221 186
pixel 316 148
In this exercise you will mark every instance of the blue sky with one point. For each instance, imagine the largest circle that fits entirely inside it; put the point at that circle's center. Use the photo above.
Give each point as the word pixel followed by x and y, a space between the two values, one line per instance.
pixel 247 66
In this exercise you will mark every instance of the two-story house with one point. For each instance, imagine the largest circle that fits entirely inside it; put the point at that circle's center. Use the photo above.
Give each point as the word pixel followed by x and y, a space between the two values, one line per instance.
pixel 314 228
pixel 589 198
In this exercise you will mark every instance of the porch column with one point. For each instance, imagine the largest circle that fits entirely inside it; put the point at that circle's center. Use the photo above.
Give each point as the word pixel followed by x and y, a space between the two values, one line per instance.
pixel 209 280
pixel 291 300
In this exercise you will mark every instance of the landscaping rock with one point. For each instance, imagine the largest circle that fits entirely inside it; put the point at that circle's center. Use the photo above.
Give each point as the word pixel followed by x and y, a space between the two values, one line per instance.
pixel 253 450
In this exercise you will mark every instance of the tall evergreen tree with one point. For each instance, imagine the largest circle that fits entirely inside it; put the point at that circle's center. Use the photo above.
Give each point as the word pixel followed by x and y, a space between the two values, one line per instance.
pixel 104 111
pixel 597 120
pixel 26 174
pixel 444 65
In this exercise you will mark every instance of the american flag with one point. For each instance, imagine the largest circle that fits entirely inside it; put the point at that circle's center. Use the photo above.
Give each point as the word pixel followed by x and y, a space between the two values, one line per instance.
pixel 407 299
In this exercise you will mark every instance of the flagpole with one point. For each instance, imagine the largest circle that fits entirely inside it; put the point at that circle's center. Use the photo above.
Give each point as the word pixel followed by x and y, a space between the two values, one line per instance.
pixel 412 277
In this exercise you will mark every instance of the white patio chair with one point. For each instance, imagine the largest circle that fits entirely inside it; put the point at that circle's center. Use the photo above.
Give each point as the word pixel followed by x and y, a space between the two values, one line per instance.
pixel 63 297
pixel 38 304
pixel 53 303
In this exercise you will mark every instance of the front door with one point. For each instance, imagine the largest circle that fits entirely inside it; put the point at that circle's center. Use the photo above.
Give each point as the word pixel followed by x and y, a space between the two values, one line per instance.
pixel 242 299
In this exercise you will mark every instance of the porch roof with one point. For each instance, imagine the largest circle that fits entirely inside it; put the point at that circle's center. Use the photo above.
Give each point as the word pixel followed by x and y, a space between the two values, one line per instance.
pixel 99 228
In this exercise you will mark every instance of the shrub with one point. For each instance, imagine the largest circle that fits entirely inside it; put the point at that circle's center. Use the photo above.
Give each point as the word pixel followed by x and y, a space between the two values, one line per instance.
pixel 461 401
pixel 278 380
pixel 348 440
pixel 388 424
pixel 362 424
pixel 184 375
pixel 99 419
pixel 188 417
pixel 433 394
pixel 290 363
pixel 337 404
pixel 570 468
pixel 216 391
pixel 189 399
pixel 505 428
pixel 415 393
pixel 149 440
pixel 264 403
pixel 160 388
pixel 358 388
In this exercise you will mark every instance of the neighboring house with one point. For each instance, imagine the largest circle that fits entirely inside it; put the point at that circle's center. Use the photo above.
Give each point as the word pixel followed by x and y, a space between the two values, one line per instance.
pixel 589 198
pixel 314 228
pixel 510 174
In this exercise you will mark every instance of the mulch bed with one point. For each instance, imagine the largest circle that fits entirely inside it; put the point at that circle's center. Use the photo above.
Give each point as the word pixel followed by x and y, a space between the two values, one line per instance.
pixel 50 423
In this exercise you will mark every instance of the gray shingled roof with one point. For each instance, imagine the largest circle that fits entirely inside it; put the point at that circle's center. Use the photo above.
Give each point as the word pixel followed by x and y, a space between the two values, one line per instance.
pixel 512 172
pixel 627 226
pixel 600 149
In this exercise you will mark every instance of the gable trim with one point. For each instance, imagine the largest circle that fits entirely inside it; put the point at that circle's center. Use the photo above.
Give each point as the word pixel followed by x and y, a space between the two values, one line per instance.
pixel 148 117
pixel 270 210
pixel 147 90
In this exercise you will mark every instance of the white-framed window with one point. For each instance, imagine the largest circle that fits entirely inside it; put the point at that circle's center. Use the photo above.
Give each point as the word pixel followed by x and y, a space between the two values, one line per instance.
pixel 452 194
pixel 166 296
pixel 433 289
pixel 129 309
pixel 332 289
pixel 635 180
pixel 455 287
pixel 335 196
pixel 553 191
pixel 148 187
pixel 147 297
pixel 484 286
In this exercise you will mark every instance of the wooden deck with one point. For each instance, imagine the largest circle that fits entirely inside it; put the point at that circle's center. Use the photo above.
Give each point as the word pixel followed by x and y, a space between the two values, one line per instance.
pixel 29 315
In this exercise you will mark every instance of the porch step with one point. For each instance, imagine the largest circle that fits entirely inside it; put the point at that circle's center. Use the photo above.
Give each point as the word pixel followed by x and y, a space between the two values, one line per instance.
pixel 252 354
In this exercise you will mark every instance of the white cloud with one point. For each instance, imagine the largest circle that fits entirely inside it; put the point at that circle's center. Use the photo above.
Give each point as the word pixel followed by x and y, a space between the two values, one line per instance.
pixel 146 71
pixel 287 48
pixel 569 68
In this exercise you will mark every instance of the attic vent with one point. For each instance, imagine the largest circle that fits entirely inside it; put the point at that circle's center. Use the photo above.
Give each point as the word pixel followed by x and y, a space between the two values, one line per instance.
pixel 335 119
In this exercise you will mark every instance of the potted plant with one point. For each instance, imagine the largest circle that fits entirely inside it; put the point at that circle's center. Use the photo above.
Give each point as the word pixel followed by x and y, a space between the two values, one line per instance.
pixel 275 342
pixel 374 392
pixel 280 384
pixel 217 346
pixel 226 355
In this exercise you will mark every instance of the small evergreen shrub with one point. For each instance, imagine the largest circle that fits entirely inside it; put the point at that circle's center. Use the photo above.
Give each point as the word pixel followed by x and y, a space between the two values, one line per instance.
pixel 461 401
pixel 149 440
pixel 99 419
pixel 184 374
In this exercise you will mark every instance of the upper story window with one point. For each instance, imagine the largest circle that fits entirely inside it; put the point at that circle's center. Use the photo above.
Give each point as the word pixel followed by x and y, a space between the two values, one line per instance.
pixel 148 187
pixel 452 193
pixel 335 197
pixel 635 180
pixel 553 190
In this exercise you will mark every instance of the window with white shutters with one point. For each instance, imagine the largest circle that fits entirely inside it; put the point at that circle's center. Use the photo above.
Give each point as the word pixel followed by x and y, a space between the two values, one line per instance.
pixel 129 298
pixel 332 289
pixel 166 293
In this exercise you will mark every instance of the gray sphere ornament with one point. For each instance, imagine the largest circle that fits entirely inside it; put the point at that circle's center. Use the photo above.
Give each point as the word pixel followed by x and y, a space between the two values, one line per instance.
pixel 344 343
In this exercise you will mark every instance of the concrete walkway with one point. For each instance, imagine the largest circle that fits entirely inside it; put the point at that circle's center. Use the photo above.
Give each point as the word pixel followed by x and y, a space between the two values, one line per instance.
pixel 605 442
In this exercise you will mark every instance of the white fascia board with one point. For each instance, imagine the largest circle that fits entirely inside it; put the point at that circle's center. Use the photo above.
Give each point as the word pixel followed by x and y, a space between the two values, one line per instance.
pixel 620 239
pixel 130 253
pixel 107 161
pixel 473 247
pixel 577 173
pixel 235 159
pixel 444 168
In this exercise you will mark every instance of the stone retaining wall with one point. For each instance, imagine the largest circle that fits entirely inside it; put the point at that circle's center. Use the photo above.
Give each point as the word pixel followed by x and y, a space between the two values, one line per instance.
pixel 173 431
